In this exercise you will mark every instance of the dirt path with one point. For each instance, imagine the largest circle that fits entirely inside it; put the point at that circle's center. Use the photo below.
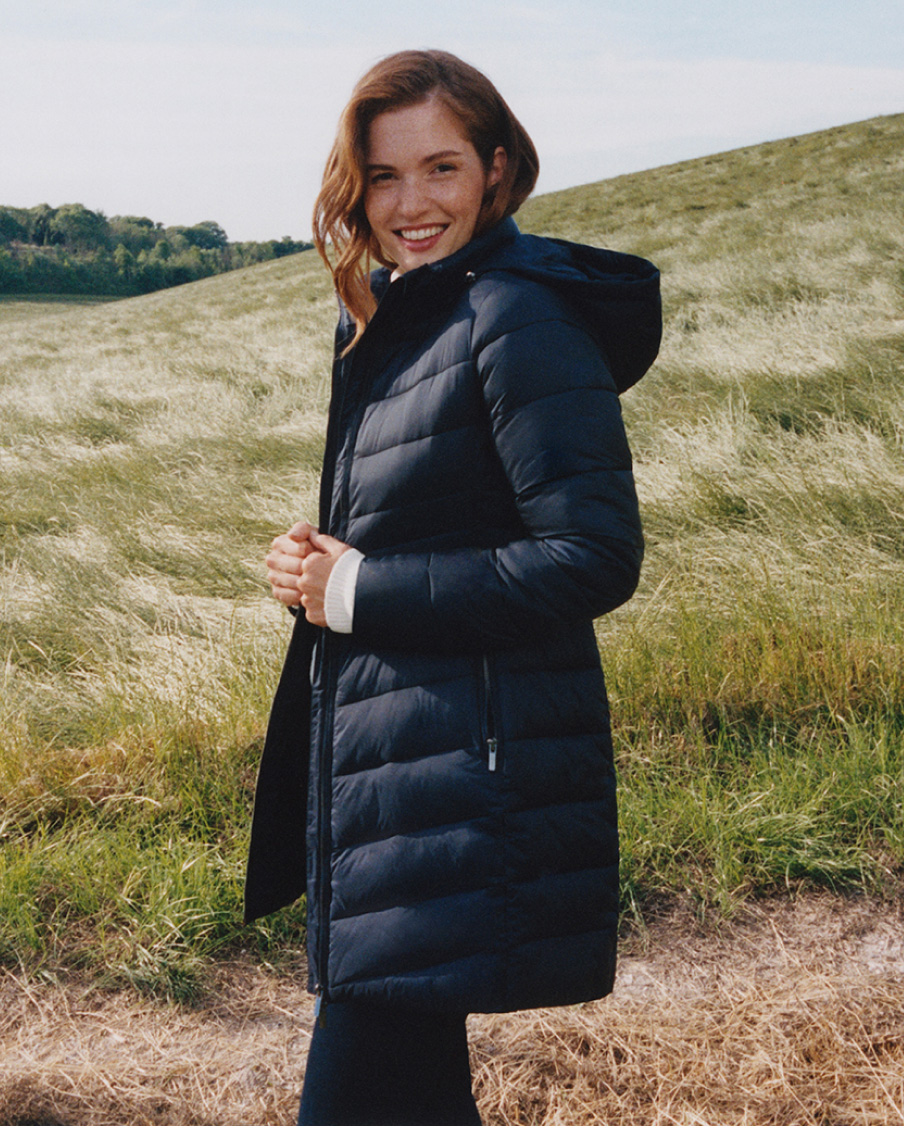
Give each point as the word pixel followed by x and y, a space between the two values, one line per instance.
pixel 769 940
pixel 793 1013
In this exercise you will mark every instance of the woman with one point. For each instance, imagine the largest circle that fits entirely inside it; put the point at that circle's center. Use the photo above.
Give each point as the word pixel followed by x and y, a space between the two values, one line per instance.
pixel 438 769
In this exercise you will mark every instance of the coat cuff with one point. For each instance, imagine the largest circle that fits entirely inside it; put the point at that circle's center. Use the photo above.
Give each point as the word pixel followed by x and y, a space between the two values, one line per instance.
pixel 339 598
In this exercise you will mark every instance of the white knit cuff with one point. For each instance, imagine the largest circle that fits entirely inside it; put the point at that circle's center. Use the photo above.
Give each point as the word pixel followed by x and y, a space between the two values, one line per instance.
pixel 339 598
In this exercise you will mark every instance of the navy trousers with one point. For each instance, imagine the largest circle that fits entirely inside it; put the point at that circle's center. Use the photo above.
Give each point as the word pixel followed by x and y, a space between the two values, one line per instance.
pixel 379 1065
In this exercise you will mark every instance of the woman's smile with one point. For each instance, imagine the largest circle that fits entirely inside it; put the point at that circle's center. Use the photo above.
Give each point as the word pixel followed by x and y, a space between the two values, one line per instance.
pixel 421 239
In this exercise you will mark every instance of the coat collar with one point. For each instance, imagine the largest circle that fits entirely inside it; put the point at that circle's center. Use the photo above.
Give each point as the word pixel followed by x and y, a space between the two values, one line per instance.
pixel 615 295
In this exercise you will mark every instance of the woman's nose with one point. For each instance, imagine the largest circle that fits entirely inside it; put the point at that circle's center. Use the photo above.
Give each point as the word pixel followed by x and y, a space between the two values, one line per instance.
pixel 411 199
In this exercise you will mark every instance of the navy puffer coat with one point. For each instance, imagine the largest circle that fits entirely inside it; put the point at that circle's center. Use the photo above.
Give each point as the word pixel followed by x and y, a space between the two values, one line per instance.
pixel 452 754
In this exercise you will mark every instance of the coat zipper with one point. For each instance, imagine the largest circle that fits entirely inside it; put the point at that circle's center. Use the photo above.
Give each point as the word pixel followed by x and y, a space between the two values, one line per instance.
pixel 492 738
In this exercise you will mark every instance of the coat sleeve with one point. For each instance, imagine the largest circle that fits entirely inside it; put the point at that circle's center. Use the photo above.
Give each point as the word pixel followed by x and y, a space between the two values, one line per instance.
pixel 556 426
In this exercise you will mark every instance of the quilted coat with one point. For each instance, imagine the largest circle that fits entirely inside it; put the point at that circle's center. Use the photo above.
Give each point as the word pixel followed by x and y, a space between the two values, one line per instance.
pixel 440 781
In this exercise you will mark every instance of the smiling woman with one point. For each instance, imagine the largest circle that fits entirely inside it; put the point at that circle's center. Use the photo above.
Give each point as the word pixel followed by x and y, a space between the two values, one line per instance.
pixel 438 771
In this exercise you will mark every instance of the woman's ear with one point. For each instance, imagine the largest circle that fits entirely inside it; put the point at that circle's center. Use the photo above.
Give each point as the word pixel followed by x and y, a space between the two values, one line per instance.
pixel 497 168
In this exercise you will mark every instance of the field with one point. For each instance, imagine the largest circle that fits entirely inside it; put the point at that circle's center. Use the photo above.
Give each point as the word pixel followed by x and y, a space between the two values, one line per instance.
pixel 151 447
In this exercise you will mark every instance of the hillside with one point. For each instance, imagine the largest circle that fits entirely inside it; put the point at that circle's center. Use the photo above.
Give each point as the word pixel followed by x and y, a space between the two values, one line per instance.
pixel 151 447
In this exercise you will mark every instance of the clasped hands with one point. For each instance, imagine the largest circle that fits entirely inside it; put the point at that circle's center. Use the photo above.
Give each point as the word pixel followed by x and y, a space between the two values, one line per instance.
pixel 298 567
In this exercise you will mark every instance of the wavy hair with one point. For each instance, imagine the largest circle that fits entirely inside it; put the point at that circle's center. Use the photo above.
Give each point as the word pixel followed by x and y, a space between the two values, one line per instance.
pixel 401 80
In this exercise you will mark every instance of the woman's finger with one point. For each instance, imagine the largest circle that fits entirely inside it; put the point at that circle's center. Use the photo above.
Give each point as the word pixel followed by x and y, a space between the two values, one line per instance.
pixel 326 544
pixel 287 545
pixel 287 594
pixel 279 562
pixel 301 531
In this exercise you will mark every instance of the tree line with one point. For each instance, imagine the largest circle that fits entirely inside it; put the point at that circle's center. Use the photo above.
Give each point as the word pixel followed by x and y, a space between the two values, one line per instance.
pixel 73 250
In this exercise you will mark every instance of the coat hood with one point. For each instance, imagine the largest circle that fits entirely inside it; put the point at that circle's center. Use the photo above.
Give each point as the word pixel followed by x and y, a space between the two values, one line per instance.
pixel 616 295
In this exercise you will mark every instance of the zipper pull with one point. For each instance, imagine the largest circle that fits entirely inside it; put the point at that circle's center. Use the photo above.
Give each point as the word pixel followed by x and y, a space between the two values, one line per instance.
pixel 319 1014
pixel 492 748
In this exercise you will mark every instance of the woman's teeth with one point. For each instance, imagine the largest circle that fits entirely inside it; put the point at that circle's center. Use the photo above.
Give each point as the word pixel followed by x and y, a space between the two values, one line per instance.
pixel 413 235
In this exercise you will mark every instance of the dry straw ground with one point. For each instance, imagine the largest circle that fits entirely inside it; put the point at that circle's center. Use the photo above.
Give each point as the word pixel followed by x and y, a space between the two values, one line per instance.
pixel 792 1015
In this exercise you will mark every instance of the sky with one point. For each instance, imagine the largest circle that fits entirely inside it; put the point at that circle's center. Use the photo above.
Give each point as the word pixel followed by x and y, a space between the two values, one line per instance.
pixel 190 110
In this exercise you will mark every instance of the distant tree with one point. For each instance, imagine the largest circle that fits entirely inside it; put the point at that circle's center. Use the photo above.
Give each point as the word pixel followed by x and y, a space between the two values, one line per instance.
pixel 78 228
pixel 137 233
pixel 39 224
pixel 11 227
pixel 12 279
pixel 135 222
pixel 206 236
pixel 176 240
pixel 289 246
pixel 124 261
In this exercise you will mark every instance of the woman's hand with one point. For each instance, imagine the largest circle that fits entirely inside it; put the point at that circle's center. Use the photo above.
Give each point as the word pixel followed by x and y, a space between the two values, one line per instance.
pixel 284 562
pixel 298 567
pixel 316 566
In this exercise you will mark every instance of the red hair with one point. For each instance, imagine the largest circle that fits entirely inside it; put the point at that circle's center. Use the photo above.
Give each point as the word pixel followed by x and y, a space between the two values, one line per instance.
pixel 406 79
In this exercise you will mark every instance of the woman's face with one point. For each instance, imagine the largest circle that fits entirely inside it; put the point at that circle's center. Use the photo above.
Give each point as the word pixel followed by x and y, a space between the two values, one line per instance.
pixel 425 183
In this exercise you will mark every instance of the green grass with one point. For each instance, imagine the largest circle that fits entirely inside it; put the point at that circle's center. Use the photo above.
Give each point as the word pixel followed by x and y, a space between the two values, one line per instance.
pixel 150 448
pixel 125 856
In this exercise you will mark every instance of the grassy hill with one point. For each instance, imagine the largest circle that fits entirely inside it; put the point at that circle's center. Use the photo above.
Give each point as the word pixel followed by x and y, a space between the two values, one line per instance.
pixel 151 447
pixel 758 675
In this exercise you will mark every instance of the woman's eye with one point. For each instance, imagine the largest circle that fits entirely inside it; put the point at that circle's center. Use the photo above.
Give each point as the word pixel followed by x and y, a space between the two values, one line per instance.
pixel 380 178
pixel 445 168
